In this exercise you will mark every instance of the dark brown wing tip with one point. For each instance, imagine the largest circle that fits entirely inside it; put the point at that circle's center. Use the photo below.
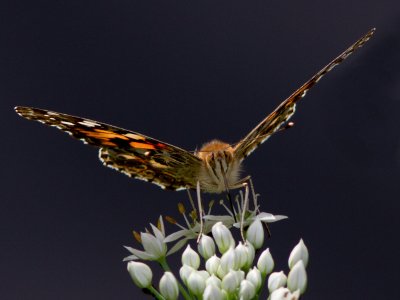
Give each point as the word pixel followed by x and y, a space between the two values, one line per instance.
pixel 366 37
pixel 369 34
pixel 21 110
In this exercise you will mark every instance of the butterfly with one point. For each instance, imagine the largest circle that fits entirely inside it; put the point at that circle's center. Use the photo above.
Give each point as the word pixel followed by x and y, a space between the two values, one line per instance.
pixel 216 165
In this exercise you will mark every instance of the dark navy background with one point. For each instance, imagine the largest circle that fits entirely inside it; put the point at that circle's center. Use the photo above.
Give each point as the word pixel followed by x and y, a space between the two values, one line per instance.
pixel 185 72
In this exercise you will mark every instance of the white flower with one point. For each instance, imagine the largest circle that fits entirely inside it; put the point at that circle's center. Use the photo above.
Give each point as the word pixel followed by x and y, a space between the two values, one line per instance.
pixel 140 274
pixel 245 254
pixel 206 246
pixel 276 280
pixel 223 237
pixel 229 261
pixel 265 262
pixel 269 218
pixel 213 280
pixel 154 246
pixel 284 294
pixel 212 264
pixel 297 278
pixel 254 276
pixel 169 286
pixel 230 282
pixel 247 290
pixel 184 272
pixel 196 283
pixel 299 252
pixel 212 292
pixel 190 258
pixel 204 274
pixel 255 234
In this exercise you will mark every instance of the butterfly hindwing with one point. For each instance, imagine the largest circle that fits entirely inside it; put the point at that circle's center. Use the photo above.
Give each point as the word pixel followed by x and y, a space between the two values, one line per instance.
pixel 129 152
pixel 286 109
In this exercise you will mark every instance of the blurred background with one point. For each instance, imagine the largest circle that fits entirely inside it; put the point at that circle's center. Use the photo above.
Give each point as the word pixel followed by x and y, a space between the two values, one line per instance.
pixel 186 73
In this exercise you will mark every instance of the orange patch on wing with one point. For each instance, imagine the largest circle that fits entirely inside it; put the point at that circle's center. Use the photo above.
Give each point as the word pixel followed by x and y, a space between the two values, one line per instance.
pixel 141 145
pixel 103 134
pixel 108 143
pixel 161 145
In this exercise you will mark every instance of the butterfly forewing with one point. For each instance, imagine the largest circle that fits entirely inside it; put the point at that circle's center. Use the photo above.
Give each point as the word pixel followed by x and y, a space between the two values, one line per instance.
pixel 129 152
pixel 286 109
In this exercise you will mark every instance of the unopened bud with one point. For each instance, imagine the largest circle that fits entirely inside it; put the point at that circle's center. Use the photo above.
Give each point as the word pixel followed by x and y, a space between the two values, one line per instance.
pixel 299 252
pixel 140 273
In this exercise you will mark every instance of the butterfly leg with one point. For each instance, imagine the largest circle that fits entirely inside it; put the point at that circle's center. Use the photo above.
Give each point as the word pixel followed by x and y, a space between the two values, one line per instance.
pixel 200 211
pixel 244 208
pixel 229 197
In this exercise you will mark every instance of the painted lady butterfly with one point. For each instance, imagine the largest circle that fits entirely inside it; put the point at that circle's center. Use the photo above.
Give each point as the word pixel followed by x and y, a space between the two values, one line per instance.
pixel 216 165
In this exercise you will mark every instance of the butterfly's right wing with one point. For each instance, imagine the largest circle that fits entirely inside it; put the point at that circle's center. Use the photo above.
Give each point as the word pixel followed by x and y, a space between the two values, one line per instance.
pixel 286 109
pixel 131 153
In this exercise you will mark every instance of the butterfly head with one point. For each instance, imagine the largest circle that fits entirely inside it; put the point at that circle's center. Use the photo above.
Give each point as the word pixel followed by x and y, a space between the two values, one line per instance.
pixel 220 168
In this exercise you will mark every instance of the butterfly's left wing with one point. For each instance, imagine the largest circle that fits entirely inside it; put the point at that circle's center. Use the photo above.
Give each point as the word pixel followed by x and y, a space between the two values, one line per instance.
pixel 129 152
pixel 286 109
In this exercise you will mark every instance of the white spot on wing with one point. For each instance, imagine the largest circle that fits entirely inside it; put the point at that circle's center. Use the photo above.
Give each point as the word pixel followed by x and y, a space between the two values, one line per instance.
pixel 135 136
pixel 89 123
pixel 67 123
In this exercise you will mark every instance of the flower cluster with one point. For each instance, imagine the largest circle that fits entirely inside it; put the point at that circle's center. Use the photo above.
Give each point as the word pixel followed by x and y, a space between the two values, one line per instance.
pixel 231 270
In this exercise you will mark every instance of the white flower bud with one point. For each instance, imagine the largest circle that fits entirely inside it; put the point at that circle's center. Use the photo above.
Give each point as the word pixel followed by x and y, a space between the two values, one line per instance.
pixel 241 254
pixel 213 280
pixel 221 273
pixel 254 276
pixel 299 252
pixel 230 282
pixel 190 258
pixel 245 254
pixel 284 294
pixel 184 272
pixel 140 273
pixel 204 274
pixel 255 234
pixel 265 262
pixel 196 283
pixel 156 248
pixel 229 261
pixel 276 280
pixel 206 247
pixel 223 237
pixel 297 278
pixel 247 290
pixel 212 264
pixel 169 286
pixel 212 292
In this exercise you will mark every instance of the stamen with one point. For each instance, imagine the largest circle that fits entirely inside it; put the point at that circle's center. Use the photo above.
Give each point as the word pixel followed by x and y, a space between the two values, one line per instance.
pixel 137 236
pixel 191 199
pixel 174 222
pixel 210 205
pixel 181 208
pixel 221 202
pixel 171 220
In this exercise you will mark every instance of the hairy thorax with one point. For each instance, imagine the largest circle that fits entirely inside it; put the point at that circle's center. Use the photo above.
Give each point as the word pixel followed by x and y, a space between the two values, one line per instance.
pixel 220 170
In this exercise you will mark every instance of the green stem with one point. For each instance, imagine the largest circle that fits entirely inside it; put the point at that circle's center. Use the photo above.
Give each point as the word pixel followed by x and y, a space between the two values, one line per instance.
pixel 263 281
pixel 165 266
pixel 155 293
